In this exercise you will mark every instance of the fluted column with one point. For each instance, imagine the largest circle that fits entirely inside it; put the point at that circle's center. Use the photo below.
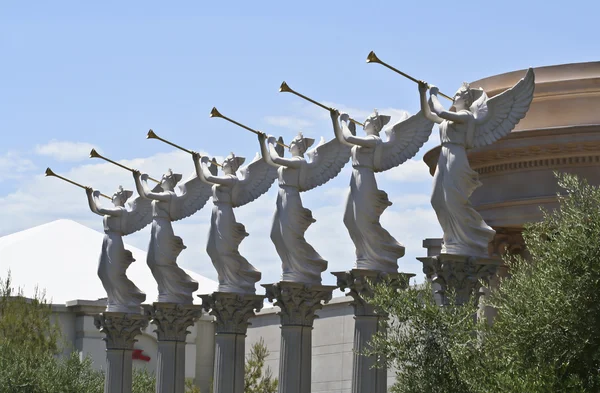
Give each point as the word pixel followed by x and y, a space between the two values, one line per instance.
pixel 120 330
pixel 232 312
pixel 172 321
pixel 298 303
pixel 366 378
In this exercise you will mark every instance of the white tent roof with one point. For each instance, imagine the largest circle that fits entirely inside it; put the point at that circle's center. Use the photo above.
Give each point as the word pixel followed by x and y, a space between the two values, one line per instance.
pixel 62 258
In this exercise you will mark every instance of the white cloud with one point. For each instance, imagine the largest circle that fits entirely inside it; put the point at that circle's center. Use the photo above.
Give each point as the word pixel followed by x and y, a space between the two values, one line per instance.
pixel 291 122
pixel 13 166
pixel 65 151
pixel 411 171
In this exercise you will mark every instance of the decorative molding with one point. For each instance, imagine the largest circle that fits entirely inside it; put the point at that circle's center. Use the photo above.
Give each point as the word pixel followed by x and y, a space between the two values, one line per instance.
pixel 461 274
pixel 173 319
pixel 556 162
pixel 232 310
pixel 361 290
pixel 120 329
pixel 298 302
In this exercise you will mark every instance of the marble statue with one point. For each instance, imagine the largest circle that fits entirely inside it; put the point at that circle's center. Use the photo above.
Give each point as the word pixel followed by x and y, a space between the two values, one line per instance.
pixel 473 121
pixel 376 249
pixel 300 262
pixel 123 295
pixel 174 285
pixel 235 273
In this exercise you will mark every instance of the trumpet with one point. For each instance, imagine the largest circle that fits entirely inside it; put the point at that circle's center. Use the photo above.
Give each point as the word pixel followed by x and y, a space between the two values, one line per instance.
pixel 215 113
pixel 50 173
pixel 284 88
pixel 95 154
pixel 152 135
pixel 372 58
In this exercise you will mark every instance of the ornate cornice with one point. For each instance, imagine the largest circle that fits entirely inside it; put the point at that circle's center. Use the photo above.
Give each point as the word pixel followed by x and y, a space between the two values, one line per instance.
pixel 231 310
pixel 120 329
pixel 298 302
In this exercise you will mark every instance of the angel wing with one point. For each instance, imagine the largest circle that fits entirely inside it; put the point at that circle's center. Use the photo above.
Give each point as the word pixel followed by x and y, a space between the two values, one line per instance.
pixel 503 111
pixel 139 214
pixel 193 196
pixel 403 141
pixel 324 163
pixel 254 180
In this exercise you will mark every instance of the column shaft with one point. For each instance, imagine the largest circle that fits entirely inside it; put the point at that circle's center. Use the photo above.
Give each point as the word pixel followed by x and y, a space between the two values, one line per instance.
pixel 118 371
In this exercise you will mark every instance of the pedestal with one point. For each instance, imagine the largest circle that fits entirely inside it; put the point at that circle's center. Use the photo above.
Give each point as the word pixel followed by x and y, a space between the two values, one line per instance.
pixel 232 312
pixel 172 321
pixel 366 377
pixel 298 303
pixel 120 330
pixel 459 273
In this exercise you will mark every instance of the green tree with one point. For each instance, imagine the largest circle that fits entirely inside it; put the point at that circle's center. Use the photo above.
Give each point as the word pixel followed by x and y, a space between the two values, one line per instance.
pixel 257 379
pixel 546 335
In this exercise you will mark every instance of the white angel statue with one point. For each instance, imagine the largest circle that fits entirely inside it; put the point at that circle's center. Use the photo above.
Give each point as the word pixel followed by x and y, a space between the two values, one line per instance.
pixel 235 273
pixel 300 262
pixel 473 121
pixel 376 249
pixel 174 284
pixel 123 295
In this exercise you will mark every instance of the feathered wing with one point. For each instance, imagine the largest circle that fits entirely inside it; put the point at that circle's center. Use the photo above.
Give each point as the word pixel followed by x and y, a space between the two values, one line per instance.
pixel 193 197
pixel 403 141
pixel 139 214
pixel 324 163
pixel 504 111
pixel 254 180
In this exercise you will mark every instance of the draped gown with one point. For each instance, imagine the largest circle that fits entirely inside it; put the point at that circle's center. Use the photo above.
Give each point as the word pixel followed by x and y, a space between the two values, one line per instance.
pixel 235 273
pixel 174 284
pixel 464 230
pixel 300 262
pixel 123 295
pixel 376 249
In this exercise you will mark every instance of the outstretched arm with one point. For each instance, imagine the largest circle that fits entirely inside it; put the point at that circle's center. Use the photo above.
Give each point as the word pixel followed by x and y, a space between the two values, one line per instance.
pixel 438 109
pixel 93 197
pixel 142 188
pixel 271 156
pixel 205 175
pixel 342 131
pixel 425 105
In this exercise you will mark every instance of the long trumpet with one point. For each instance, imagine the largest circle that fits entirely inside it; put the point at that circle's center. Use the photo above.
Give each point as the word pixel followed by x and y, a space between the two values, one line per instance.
pixel 372 58
pixel 95 154
pixel 152 135
pixel 284 88
pixel 50 173
pixel 215 113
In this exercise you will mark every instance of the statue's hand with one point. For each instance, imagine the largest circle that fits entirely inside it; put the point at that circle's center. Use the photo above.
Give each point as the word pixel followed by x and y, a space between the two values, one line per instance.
pixel 271 140
pixel 433 90
pixel 261 137
pixel 345 117
pixel 196 156
pixel 204 160
pixel 89 190
pixel 423 86
pixel 136 173
pixel 334 113
pixel 96 194
pixel 144 177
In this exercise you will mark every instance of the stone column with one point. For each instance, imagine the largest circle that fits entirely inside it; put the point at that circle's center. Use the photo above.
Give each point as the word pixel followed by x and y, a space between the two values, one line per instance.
pixel 120 330
pixel 172 321
pixel 462 274
pixel 366 377
pixel 298 303
pixel 232 312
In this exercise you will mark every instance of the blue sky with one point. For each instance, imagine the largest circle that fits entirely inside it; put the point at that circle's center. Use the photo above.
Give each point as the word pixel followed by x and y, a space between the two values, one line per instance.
pixel 79 74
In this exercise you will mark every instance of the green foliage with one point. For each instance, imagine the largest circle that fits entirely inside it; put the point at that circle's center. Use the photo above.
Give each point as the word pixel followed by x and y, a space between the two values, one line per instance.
pixel 255 379
pixel 546 336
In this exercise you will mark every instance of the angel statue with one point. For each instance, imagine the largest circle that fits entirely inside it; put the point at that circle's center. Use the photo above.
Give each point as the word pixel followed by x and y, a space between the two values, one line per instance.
pixel 174 284
pixel 231 190
pixel 473 121
pixel 123 295
pixel 300 262
pixel 376 249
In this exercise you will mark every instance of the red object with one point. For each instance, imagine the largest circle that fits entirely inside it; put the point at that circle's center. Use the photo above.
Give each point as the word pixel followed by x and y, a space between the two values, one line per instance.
pixel 139 355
